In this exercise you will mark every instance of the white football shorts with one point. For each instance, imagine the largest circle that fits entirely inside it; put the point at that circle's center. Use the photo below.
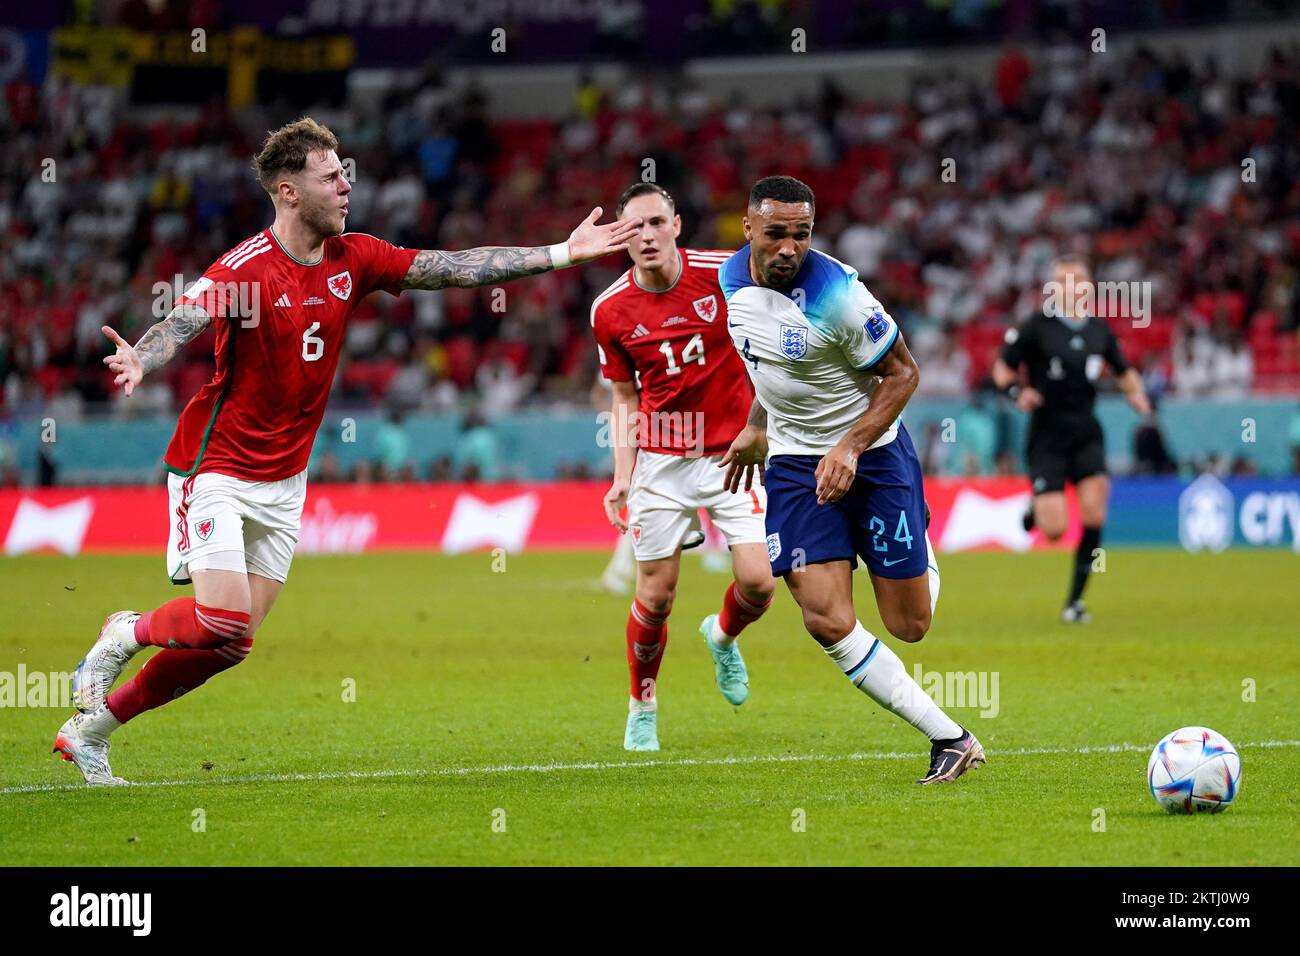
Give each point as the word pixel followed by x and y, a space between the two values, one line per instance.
pixel 220 523
pixel 668 490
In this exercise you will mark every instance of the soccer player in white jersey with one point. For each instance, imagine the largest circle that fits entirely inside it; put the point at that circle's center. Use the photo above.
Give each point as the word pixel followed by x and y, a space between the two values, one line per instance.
pixel 831 375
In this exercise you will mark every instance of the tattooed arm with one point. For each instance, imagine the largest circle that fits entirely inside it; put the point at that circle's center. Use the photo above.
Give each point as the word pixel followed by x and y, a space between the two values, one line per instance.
pixel 435 269
pixel 158 346
pixel 486 265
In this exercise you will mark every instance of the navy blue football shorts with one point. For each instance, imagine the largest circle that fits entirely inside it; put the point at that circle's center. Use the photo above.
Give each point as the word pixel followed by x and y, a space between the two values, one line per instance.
pixel 880 519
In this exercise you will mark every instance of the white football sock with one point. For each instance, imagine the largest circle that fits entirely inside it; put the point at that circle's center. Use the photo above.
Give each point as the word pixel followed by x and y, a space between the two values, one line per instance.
pixel 720 637
pixel 99 723
pixel 636 705
pixel 876 671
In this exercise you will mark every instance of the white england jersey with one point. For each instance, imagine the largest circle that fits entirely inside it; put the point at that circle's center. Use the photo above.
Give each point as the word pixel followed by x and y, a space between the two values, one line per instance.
pixel 808 351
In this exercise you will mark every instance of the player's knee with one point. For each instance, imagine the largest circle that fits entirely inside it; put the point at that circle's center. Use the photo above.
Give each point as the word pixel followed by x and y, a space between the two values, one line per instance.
pixel 1093 517
pixel 910 627
pixel 1052 529
pixel 828 626
pixel 757 590
pixel 656 600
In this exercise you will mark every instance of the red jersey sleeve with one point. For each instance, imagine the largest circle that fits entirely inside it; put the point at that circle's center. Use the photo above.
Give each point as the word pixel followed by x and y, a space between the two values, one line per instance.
pixel 216 292
pixel 615 364
pixel 383 264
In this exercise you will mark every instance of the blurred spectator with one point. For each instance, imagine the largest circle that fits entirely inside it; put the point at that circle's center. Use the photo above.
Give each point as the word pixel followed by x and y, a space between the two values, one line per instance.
pixel 1295 442
pixel 1193 360
pixel 976 437
pixel 1243 467
pixel 9 477
pixel 1231 366
pixel 934 450
pixel 441 469
pixel 1006 465
pixel 393 450
pixel 475 457
pixel 329 469
pixel 1010 76
pixel 47 465
pixel 944 373
pixel 1133 156
pixel 1155 380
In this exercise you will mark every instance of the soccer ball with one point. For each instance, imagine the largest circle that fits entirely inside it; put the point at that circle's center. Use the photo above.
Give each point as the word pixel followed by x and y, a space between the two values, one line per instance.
pixel 1194 770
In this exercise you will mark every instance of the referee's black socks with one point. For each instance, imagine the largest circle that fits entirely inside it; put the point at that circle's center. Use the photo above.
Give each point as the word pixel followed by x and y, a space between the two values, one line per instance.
pixel 1083 558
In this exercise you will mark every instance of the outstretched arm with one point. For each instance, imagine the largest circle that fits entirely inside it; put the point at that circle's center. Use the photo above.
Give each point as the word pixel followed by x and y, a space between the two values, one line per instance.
pixel 158 346
pixel 487 265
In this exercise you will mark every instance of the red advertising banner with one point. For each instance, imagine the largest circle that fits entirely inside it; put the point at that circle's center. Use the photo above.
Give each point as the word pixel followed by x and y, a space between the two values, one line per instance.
pixel 452 518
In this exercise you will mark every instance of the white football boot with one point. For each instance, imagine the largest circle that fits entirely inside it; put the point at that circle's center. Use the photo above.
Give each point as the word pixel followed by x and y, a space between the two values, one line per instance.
pixel 99 669
pixel 83 741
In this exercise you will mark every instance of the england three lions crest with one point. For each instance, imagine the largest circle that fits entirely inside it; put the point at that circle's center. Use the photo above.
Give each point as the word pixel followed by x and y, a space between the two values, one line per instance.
pixel 707 307
pixel 794 341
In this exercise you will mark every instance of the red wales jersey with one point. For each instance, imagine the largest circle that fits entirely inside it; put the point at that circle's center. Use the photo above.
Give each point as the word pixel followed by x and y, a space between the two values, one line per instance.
pixel 279 324
pixel 675 344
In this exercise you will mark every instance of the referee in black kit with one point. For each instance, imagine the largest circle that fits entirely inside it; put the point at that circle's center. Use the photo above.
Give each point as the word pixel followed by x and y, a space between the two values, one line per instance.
pixel 1064 350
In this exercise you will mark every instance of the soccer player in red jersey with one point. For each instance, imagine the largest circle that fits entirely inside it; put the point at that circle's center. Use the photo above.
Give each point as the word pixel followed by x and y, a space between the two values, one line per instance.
pixel 680 394
pixel 280 303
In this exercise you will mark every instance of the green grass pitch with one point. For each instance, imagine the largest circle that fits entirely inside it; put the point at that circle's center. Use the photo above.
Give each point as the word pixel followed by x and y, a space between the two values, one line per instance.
pixel 489 709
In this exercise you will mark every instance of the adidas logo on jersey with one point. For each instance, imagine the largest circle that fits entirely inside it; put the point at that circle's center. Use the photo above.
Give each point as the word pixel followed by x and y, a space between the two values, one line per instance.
pixel 639 331
pixel 283 302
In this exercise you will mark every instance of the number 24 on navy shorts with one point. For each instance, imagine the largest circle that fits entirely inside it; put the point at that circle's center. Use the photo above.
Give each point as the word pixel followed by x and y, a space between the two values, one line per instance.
pixel 880 519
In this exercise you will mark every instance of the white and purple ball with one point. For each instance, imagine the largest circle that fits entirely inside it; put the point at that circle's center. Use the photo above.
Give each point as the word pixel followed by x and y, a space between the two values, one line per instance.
pixel 1194 770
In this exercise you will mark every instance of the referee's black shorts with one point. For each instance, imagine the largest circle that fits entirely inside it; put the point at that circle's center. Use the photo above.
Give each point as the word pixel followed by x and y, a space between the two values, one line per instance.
pixel 1064 450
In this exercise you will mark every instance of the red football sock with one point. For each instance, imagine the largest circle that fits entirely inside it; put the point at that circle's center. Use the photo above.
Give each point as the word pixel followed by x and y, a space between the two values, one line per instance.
pixel 171 673
pixel 185 623
pixel 737 612
pixel 647 635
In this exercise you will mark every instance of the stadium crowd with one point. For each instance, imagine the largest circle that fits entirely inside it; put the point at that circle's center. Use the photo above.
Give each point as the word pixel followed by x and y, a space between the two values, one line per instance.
pixel 1162 170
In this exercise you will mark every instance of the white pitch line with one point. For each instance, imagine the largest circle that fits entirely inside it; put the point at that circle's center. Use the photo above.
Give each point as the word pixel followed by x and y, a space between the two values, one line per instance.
pixel 611 765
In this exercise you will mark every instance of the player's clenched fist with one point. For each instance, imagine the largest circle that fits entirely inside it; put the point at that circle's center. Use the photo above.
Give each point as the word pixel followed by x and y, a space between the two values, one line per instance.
pixel 835 473
pixel 615 502
pixel 125 362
